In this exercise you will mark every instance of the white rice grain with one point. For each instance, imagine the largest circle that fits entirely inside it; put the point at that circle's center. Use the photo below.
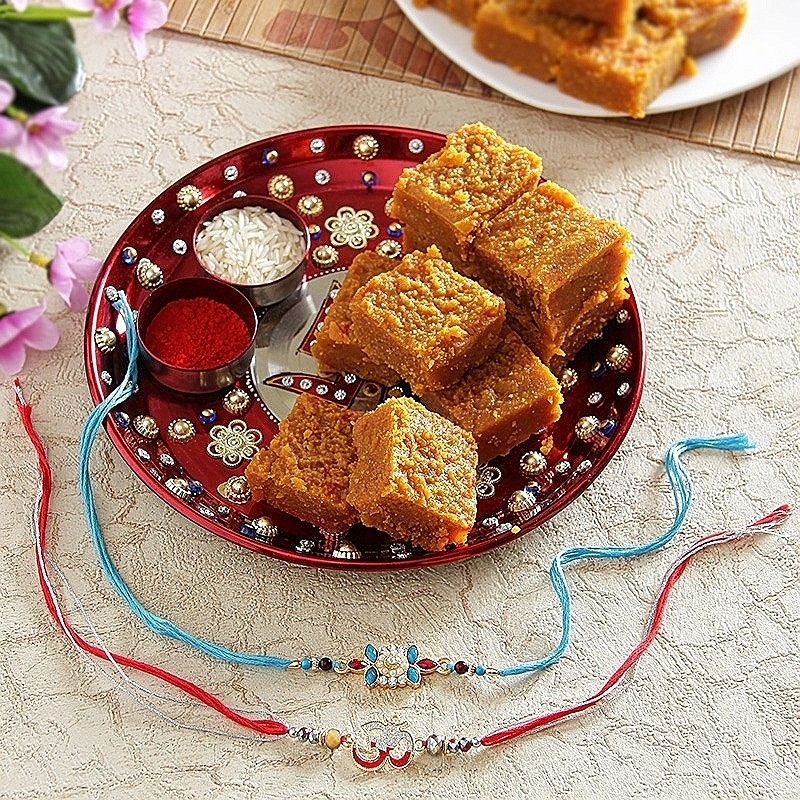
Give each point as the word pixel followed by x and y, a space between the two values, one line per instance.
pixel 249 245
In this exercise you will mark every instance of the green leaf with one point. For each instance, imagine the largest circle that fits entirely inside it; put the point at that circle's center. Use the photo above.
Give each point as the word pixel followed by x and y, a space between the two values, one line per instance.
pixel 40 60
pixel 26 204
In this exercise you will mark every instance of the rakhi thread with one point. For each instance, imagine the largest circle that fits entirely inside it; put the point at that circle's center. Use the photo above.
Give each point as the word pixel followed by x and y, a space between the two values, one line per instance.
pixel 89 433
pixel 766 525
pixel 682 492
pixel 386 743
pixel 263 726
pixel 138 692
pixel 679 480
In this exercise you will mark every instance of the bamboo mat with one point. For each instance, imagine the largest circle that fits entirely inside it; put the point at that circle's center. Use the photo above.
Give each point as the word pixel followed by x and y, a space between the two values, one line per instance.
pixel 373 37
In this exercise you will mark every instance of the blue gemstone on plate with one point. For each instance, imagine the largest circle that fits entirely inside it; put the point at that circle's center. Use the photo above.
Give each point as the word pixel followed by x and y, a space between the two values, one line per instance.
pixel 412 654
pixel 609 426
pixel 207 416
pixel 532 488
pixel 413 675
pixel 122 419
pixel 598 369
pixel 247 530
pixel 371 676
pixel 369 178
pixel 196 488
pixel 370 652
pixel 128 255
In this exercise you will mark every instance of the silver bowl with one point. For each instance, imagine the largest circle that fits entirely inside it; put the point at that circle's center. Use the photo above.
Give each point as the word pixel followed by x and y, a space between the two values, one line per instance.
pixel 188 380
pixel 270 292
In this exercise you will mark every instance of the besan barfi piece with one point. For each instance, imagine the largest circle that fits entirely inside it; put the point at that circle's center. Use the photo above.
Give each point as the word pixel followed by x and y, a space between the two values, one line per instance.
pixel 527 40
pixel 557 263
pixel 707 24
pixel 620 69
pixel 305 470
pixel 426 321
pixel 445 200
pixel 626 72
pixel 557 348
pixel 617 15
pixel 334 347
pixel 461 11
pixel 415 476
pixel 503 401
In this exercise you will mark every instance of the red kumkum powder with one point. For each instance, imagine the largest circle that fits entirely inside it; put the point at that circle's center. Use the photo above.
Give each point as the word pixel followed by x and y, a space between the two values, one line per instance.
pixel 197 333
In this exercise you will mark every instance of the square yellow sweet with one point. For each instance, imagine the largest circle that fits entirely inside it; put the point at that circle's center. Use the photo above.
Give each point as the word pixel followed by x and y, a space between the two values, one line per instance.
pixel 426 321
pixel 305 470
pixel 562 268
pixel 448 198
pixel 415 475
pixel 503 401
pixel 334 346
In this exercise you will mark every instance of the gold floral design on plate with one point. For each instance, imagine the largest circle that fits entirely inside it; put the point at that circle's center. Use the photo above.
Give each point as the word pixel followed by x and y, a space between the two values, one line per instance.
pixel 233 443
pixel 351 227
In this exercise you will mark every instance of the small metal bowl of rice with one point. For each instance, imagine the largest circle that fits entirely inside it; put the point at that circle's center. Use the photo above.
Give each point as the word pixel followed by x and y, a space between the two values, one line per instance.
pixel 256 244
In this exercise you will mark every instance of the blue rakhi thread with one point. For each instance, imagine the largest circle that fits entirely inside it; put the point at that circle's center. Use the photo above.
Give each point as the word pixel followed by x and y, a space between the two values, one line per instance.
pixel 679 480
pixel 88 435
pixel 682 491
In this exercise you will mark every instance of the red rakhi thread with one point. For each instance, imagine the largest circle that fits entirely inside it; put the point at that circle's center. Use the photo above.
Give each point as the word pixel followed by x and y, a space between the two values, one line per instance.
pixel 373 754
pixel 269 727
pixel 764 525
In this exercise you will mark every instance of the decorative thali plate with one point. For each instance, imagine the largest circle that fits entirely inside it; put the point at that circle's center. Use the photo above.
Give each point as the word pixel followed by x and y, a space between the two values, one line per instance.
pixel 191 451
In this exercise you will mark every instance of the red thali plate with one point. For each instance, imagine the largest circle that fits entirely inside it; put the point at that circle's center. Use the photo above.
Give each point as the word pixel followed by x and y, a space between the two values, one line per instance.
pixel 192 451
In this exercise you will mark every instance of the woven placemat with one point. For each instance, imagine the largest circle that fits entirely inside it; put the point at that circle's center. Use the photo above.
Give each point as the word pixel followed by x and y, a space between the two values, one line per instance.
pixel 373 37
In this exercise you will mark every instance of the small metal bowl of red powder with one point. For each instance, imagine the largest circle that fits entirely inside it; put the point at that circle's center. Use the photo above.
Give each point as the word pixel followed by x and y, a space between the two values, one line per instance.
pixel 257 244
pixel 197 335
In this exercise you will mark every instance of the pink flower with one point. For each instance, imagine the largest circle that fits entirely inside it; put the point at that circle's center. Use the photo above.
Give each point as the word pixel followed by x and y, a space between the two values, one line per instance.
pixel 42 137
pixel 106 12
pixel 21 329
pixel 10 129
pixel 144 16
pixel 6 94
pixel 71 264
pixel 10 133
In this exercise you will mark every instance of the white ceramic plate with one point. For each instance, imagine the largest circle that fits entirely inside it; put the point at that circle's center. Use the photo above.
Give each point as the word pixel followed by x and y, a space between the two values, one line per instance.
pixel 767 46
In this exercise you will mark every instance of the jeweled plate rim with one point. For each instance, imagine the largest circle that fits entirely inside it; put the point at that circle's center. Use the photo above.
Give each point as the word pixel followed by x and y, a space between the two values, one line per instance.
pixel 578 485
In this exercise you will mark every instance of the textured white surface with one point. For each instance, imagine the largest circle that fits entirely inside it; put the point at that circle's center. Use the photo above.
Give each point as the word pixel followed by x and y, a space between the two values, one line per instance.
pixel 713 709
